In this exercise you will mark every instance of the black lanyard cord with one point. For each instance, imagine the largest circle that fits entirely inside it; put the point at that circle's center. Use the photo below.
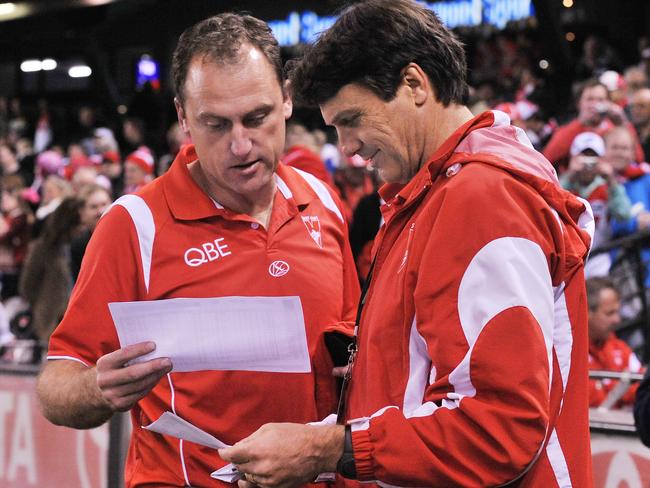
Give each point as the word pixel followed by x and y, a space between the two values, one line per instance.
pixel 353 347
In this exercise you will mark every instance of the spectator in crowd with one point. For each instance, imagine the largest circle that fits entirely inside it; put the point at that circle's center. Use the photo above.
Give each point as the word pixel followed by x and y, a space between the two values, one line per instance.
pixel 86 124
pixel 26 159
pixel 619 152
pixel 104 141
pixel 15 231
pixel 616 86
pixel 88 175
pixel 475 309
pixel 635 79
pixel 44 133
pixel 644 63
pixel 96 199
pixel 592 177
pixel 134 135
pixel 47 163
pixel 138 170
pixel 606 351
pixel 18 126
pixel 597 57
pixel 10 166
pixel 640 114
pixel 46 279
pixel 228 186
pixel 55 189
pixel 596 113
pixel 302 152
pixel 111 168
pixel 175 138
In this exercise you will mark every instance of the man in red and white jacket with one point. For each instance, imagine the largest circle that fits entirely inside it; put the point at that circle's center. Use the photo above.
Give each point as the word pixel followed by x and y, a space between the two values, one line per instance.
pixel 471 367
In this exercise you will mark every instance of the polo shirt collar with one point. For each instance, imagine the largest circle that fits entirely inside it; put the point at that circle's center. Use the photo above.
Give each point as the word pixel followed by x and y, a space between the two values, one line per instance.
pixel 292 185
pixel 186 199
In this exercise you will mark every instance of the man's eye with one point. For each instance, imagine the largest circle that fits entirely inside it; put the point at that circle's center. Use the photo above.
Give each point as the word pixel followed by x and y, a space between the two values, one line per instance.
pixel 350 121
pixel 256 121
pixel 215 126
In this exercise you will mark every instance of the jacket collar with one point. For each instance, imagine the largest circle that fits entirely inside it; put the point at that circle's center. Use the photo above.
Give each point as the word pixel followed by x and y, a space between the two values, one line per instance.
pixel 397 193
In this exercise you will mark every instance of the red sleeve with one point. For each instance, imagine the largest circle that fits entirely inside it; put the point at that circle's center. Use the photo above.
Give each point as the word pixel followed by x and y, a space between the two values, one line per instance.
pixel 111 271
pixel 557 148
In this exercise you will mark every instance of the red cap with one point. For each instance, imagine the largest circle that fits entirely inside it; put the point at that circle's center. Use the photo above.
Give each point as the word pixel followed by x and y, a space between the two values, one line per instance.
pixel 143 158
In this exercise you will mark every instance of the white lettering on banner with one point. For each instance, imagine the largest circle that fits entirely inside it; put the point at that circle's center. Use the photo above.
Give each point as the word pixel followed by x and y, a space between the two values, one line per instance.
pixel 6 405
pixel 305 26
pixel 22 442
pixel 208 252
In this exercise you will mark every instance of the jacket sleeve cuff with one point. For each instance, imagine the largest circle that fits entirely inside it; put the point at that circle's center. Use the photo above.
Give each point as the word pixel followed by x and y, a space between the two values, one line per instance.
pixel 362 449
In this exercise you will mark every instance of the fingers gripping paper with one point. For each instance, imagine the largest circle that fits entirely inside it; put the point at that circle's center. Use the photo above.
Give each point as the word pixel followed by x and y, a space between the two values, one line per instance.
pixel 173 425
pixel 227 333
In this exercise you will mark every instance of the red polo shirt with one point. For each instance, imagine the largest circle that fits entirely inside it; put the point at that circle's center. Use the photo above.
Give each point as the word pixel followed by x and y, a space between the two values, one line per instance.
pixel 171 240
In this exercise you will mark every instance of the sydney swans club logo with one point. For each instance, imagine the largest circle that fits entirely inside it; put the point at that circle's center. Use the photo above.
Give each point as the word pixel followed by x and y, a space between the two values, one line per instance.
pixel 278 268
pixel 206 253
pixel 313 227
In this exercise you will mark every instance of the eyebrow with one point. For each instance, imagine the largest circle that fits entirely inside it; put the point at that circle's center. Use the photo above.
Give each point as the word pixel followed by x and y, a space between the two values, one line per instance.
pixel 350 113
pixel 265 107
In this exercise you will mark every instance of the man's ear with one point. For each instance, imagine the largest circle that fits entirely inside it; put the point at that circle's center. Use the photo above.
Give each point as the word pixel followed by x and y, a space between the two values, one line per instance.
pixel 418 82
pixel 180 114
pixel 287 102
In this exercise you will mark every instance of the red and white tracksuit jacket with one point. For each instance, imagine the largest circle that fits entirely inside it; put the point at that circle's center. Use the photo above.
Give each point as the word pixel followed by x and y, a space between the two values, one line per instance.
pixel 472 362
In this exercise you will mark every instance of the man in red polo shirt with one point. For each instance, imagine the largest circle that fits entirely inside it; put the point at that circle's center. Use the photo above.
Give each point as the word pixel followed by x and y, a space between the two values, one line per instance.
pixel 225 220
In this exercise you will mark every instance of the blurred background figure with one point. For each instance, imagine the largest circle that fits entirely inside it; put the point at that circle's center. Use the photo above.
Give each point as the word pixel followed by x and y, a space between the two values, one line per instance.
pixel 96 199
pixel 138 169
pixel 175 138
pixel 596 113
pixel 302 151
pixel 15 233
pixel 606 351
pixel 591 177
pixel 46 280
pixel 53 191
pixel 640 114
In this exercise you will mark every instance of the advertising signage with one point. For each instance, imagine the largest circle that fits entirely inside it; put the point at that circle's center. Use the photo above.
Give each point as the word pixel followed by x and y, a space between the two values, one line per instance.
pixel 303 27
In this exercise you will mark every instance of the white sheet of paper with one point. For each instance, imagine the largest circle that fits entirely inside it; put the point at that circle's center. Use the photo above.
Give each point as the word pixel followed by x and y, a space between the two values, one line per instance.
pixel 227 474
pixel 175 426
pixel 225 333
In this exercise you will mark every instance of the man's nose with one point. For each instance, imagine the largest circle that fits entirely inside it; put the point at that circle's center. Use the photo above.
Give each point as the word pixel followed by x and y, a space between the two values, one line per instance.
pixel 349 144
pixel 241 143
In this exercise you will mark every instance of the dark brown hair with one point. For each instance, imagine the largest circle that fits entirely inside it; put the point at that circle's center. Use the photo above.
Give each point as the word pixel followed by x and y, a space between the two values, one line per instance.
pixel 370 44
pixel 60 224
pixel 219 39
